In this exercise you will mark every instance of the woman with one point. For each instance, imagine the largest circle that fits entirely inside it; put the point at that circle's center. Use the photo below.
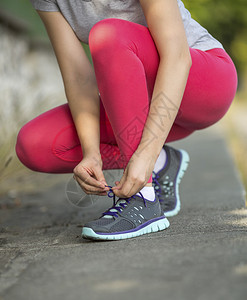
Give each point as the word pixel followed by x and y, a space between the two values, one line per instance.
pixel 157 77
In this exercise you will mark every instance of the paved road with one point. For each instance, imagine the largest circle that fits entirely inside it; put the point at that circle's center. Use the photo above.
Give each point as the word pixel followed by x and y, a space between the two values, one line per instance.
pixel 203 255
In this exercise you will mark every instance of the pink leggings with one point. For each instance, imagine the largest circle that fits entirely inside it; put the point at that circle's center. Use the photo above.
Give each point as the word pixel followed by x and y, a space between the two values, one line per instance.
pixel 126 60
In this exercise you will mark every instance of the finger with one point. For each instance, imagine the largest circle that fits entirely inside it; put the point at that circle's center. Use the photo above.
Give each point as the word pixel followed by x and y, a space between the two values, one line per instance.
pixel 127 187
pixel 100 194
pixel 121 182
pixel 89 188
pixel 100 176
pixel 97 194
pixel 104 193
pixel 89 180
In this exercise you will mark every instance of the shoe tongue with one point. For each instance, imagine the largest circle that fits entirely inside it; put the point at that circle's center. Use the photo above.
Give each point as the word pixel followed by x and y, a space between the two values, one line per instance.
pixel 113 209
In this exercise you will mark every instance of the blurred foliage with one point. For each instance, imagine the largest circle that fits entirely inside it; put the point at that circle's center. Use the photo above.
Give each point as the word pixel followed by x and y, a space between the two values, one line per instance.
pixel 24 10
pixel 226 20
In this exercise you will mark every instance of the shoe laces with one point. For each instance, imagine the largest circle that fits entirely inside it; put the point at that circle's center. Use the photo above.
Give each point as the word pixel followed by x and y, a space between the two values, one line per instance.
pixel 120 204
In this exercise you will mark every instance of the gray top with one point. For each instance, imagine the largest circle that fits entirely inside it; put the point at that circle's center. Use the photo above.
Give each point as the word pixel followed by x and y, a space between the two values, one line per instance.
pixel 83 14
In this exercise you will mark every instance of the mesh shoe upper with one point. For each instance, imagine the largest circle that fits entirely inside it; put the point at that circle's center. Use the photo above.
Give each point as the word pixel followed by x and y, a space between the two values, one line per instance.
pixel 127 214
pixel 166 180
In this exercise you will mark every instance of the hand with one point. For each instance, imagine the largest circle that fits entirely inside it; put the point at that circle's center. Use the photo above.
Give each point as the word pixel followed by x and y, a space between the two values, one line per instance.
pixel 136 175
pixel 88 173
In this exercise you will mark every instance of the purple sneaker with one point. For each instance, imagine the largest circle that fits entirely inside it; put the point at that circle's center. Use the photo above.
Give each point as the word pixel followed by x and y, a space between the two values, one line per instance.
pixel 127 218
pixel 167 180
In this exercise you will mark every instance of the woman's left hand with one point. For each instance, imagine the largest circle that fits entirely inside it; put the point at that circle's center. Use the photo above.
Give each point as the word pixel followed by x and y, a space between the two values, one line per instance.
pixel 136 174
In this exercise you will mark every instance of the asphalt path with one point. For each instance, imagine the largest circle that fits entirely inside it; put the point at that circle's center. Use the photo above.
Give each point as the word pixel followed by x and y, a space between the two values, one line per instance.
pixel 201 256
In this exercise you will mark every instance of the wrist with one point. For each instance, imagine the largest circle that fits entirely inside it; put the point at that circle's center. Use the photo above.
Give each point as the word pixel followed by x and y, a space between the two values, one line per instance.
pixel 91 152
pixel 147 153
pixel 149 149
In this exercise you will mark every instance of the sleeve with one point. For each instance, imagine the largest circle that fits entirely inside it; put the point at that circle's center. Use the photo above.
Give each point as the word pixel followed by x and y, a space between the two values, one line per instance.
pixel 45 5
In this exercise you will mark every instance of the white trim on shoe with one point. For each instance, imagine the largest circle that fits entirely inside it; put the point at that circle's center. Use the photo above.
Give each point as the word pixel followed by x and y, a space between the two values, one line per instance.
pixel 183 167
pixel 159 225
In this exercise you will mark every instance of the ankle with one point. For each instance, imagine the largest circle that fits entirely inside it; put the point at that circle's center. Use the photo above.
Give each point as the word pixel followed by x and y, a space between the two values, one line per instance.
pixel 148 193
pixel 161 161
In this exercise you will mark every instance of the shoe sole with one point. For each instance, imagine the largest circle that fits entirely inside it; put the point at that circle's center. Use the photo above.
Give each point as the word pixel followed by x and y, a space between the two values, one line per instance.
pixel 183 167
pixel 155 226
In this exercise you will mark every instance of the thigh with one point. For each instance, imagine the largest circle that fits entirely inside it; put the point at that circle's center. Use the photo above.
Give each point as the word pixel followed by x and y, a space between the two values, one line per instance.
pixel 212 81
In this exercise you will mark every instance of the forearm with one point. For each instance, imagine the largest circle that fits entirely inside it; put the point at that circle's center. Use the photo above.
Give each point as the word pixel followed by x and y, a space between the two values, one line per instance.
pixel 167 95
pixel 78 77
pixel 83 99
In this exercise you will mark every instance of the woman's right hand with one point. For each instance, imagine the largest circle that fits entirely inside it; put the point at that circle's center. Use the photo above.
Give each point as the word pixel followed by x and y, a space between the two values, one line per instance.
pixel 88 173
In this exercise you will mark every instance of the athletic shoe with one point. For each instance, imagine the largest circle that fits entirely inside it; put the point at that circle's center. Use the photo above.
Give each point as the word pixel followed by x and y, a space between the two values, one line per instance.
pixel 127 218
pixel 166 181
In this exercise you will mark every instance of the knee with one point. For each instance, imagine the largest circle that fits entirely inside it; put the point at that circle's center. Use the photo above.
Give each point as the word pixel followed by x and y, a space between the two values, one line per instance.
pixel 104 34
pixel 23 147
pixel 27 148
